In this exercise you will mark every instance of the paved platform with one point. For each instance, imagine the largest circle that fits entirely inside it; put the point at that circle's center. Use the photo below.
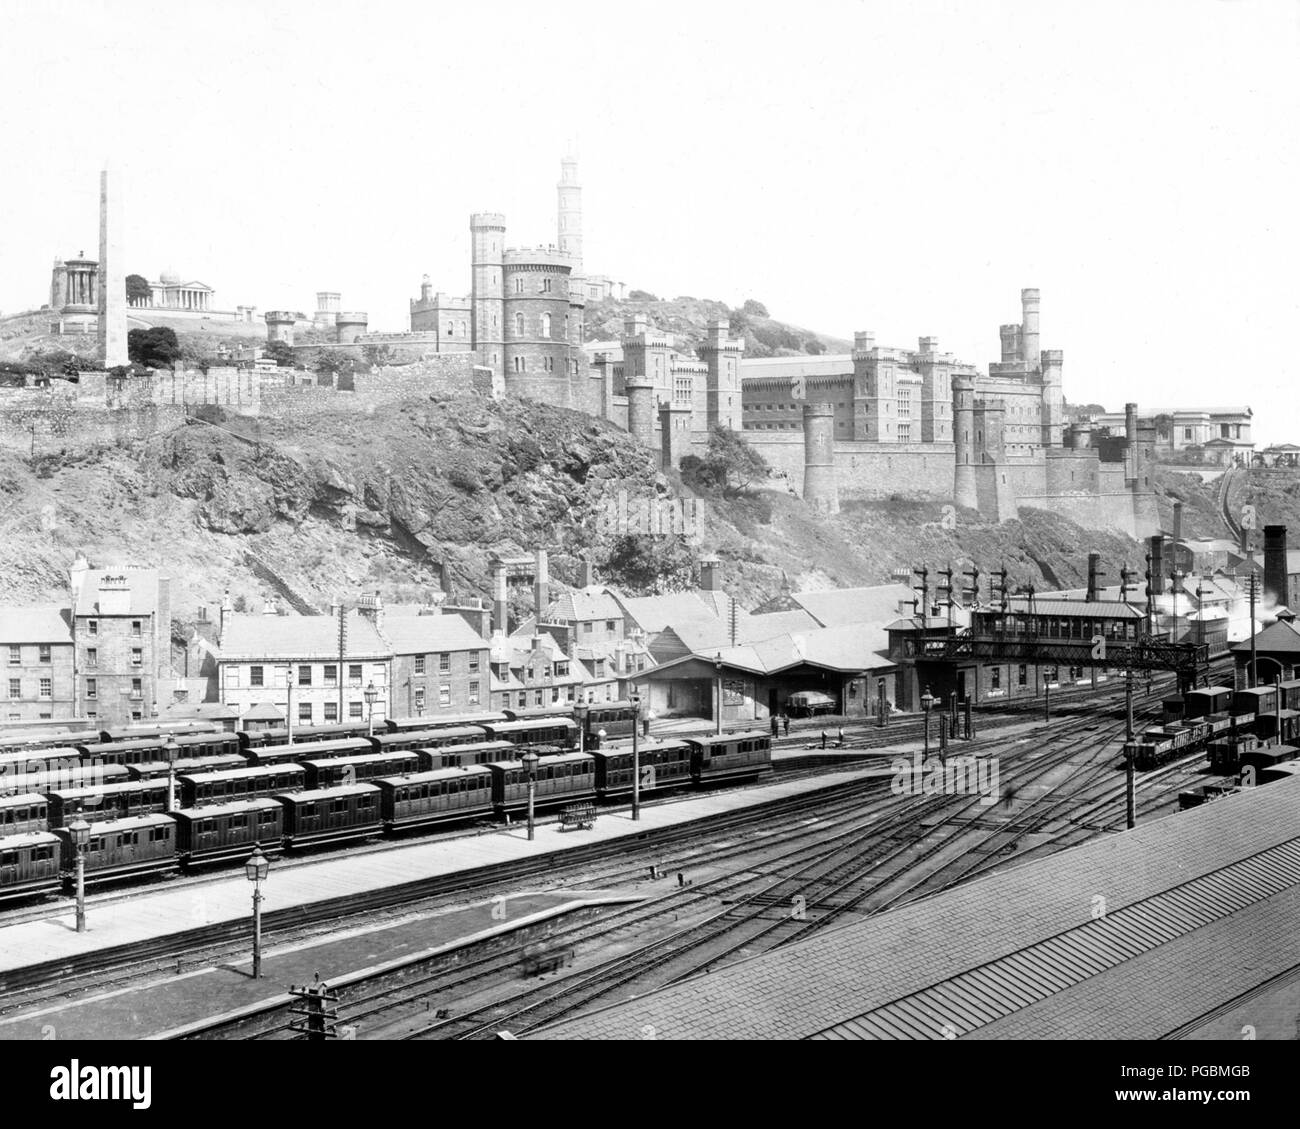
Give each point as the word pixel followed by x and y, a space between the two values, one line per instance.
pixel 164 1006
pixel 1116 953
pixel 158 912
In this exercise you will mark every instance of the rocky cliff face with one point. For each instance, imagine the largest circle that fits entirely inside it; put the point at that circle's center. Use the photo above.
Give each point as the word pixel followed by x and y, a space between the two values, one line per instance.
pixel 431 488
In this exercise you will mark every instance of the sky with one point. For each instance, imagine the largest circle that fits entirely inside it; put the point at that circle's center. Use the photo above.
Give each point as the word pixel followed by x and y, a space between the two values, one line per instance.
pixel 899 167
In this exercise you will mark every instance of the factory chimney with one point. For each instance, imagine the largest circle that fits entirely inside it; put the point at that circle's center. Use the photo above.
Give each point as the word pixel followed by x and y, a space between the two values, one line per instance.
pixel 499 606
pixel 1275 568
pixel 1156 574
pixel 541 587
pixel 1094 574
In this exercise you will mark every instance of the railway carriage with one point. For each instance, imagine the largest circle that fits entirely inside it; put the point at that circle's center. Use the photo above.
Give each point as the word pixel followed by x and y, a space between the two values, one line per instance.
pixel 330 815
pixel 1283 725
pixel 617 719
pixel 158 733
pixel 136 751
pixel 223 832
pixel 1252 702
pixel 188 766
pixel 26 811
pixel 663 766
pixel 123 848
pixel 422 799
pixel 349 770
pixel 260 738
pixel 1207 702
pixel 1264 758
pixel 240 784
pixel 101 803
pixel 731 756
pixel 80 776
pixel 309 750
pixel 334 731
pixel 464 756
pixel 1284 771
pixel 545 734
pixel 27 762
pixel 443 721
pixel 559 779
pixel 29 864
pixel 445 737
pixel 21 743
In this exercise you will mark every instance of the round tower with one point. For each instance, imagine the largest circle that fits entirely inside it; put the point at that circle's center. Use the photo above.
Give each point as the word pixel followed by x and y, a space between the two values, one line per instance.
pixel 487 314
pixel 820 489
pixel 569 221
pixel 722 355
pixel 327 308
pixel 1053 397
pixel 349 325
pixel 536 321
pixel 640 390
pixel 963 434
pixel 279 326
pixel 1029 328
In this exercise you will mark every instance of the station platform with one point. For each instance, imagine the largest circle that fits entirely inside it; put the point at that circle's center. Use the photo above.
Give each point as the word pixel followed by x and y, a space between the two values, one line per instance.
pixel 1164 931
pixel 159 912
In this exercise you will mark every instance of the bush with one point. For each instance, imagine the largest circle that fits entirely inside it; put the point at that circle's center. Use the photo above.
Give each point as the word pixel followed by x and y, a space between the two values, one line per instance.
pixel 729 464
pixel 641 296
pixel 153 348
pixel 755 308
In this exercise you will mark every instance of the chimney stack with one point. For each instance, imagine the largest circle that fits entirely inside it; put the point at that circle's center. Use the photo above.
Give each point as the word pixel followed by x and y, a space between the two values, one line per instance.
pixel 1275 570
pixel 1094 574
pixel 541 587
pixel 499 608
pixel 1178 526
pixel 586 574
pixel 1029 328
pixel 711 574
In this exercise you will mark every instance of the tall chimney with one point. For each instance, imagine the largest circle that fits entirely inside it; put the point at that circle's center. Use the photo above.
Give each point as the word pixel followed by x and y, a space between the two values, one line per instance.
pixel 227 609
pixel 541 587
pixel 1029 328
pixel 1094 573
pixel 586 574
pixel 1275 570
pixel 1178 526
pixel 499 599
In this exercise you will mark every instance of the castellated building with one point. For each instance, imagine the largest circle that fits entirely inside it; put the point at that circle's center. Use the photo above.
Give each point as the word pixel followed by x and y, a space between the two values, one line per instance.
pixel 923 425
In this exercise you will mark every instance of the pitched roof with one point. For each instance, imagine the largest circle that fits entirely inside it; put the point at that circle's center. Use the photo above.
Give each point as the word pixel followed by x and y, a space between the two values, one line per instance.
pixel 47 624
pixel 288 637
pixel 838 606
pixel 1281 637
pixel 143 584
pixel 414 635
pixel 851 648
pixel 584 604
pixel 654 613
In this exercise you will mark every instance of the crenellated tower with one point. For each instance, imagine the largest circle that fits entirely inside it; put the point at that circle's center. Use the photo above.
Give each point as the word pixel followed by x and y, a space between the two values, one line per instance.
pixel 487 294
pixel 569 218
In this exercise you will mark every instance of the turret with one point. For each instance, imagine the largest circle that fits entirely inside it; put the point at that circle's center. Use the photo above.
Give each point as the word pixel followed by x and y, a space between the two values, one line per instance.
pixel 487 311
pixel 963 433
pixel 1029 328
pixel 820 488
pixel 722 355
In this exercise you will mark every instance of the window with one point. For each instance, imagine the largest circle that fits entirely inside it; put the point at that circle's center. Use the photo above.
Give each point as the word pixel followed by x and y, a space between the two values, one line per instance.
pixel 537 697
pixel 15 688
pixel 255 676
pixel 331 675
pixel 304 675
pixel 546 289
pixel 304 711
pixel 92 627
pixel 473 693
pixel 137 688
pixel 588 628
pixel 419 664
pixel 523 699
pixel 561 670
pixel 444 663
pixel 473 663
pixel 354 709
pixel 419 698
pixel 995 678
pixel 331 711
pixel 354 674
pixel 135 628
pixel 92 656
pixel 546 322
pixel 44 652
pixel 519 364
pixel 1187 432
pixel 548 364
pixel 15 655
pixel 519 325
pixel 91 688
pixel 1022 675
pixel 519 289
pixel 609 625
pixel 137 656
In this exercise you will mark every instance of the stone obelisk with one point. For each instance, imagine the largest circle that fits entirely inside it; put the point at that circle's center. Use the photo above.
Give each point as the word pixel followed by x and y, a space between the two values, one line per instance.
pixel 112 279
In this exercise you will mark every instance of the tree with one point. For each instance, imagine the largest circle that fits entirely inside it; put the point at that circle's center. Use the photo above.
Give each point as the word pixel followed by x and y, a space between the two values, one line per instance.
pixel 641 296
pixel 813 346
pixel 335 364
pixel 1165 428
pixel 729 464
pixel 197 354
pixel 153 348
pixel 138 289
pixel 280 352
pixel 755 308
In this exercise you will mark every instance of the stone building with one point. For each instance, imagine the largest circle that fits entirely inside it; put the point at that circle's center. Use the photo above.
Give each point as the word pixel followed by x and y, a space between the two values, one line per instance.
pixel 440 665
pixel 37 650
pixel 122 627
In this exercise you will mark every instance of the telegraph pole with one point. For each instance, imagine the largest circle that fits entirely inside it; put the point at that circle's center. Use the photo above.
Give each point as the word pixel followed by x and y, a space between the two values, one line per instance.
pixel 1130 783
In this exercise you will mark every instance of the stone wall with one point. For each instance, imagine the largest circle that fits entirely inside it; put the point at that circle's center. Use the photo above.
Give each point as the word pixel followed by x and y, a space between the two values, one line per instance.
pixel 865 471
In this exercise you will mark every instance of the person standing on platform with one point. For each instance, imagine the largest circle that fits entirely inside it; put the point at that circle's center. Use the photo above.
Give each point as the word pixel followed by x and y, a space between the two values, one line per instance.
pixel 785 723
pixel 775 727
pixel 823 738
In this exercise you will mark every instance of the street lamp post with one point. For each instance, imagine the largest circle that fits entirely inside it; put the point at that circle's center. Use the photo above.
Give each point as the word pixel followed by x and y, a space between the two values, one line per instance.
pixel 255 871
pixel 530 760
pixel 371 695
pixel 636 756
pixel 1130 780
pixel 927 704
pixel 580 712
pixel 170 750
pixel 80 832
